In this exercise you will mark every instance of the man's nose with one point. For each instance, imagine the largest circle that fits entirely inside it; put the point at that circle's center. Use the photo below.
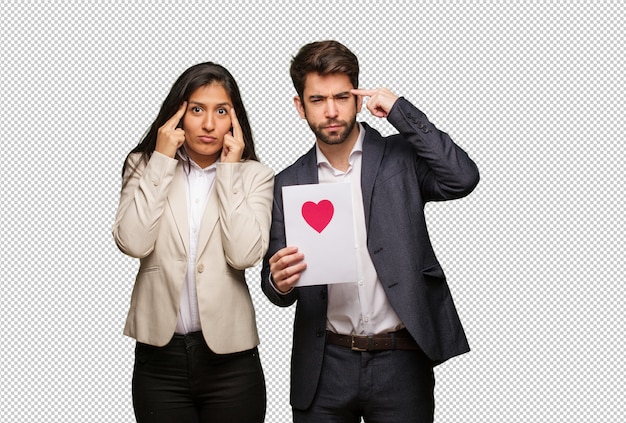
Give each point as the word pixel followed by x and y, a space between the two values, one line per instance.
pixel 331 108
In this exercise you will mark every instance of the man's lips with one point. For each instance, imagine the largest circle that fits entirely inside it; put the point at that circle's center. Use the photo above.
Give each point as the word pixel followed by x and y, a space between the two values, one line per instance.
pixel 334 127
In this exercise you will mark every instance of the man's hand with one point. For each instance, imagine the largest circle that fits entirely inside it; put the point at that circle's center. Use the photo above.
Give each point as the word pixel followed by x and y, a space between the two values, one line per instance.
pixel 285 267
pixel 380 101
pixel 169 137
pixel 232 150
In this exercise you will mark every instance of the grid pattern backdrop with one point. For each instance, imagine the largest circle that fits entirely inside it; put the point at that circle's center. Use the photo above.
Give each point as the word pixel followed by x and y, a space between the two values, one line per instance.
pixel 533 91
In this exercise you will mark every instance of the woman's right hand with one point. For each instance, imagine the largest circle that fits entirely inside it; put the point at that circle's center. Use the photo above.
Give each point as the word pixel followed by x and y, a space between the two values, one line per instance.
pixel 169 137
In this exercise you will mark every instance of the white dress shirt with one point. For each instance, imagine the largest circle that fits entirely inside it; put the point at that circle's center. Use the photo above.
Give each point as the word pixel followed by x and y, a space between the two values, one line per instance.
pixel 359 308
pixel 199 183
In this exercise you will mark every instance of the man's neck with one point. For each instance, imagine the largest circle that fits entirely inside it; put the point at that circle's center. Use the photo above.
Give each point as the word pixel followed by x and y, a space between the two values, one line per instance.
pixel 338 155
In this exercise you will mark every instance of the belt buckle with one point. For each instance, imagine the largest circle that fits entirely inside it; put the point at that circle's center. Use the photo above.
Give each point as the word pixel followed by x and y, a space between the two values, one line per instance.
pixel 355 348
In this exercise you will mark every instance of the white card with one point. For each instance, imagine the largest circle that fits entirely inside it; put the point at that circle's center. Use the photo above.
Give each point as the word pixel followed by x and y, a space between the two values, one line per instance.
pixel 319 221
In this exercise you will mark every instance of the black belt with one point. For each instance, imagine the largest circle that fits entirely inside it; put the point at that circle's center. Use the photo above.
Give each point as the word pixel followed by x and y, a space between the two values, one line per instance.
pixel 400 340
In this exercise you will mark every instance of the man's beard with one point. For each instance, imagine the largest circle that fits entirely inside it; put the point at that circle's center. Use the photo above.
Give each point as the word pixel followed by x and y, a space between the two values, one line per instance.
pixel 336 137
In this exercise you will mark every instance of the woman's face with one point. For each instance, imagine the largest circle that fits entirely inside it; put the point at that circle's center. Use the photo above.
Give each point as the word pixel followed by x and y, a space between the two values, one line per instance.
pixel 205 123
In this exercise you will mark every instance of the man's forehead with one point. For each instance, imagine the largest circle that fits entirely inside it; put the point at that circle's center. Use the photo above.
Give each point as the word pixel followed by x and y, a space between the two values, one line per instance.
pixel 329 84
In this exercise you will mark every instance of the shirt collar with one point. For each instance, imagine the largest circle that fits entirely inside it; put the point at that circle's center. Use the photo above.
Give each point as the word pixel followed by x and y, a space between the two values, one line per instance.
pixel 358 148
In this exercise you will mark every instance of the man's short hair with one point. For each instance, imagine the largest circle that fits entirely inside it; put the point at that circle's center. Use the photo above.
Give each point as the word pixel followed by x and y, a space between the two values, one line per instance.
pixel 323 58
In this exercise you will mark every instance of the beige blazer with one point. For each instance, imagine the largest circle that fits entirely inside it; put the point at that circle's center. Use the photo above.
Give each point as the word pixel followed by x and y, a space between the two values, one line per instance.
pixel 152 225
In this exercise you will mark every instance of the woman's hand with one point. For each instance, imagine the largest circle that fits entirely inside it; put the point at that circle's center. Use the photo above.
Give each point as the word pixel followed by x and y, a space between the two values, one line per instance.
pixel 169 137
pixel 232 150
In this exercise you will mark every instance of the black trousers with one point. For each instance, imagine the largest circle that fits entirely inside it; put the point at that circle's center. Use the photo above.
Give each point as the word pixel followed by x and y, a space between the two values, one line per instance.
pixel 378 387
pixel 185 381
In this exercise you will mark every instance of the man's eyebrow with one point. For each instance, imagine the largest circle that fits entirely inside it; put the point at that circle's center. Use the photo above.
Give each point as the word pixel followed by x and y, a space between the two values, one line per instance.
pixel 319 96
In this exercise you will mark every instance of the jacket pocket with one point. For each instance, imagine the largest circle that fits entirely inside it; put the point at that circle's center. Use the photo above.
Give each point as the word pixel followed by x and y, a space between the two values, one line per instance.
pixel 392 172
pixel 148 269
pixel 434 273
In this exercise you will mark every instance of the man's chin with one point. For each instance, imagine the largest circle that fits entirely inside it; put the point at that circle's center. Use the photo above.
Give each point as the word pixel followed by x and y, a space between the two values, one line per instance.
pixel 333 140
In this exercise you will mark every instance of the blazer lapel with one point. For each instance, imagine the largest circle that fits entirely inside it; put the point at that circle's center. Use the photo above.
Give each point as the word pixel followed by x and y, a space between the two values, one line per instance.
pixel 177 199
pixel 373 150
pixel 209 220
pixel 307 172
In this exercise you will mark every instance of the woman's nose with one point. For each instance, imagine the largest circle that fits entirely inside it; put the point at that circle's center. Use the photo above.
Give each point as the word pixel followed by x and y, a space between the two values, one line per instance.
pixel 208 122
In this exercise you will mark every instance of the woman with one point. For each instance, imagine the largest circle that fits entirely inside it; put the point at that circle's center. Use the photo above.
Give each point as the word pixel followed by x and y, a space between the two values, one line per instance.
pixel 195 208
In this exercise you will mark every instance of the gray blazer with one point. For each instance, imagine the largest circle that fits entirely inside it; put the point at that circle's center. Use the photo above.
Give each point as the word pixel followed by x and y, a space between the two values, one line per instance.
pixel 400 173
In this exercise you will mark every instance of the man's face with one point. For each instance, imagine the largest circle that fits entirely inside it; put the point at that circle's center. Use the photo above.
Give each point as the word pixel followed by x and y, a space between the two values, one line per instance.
pixel 328 107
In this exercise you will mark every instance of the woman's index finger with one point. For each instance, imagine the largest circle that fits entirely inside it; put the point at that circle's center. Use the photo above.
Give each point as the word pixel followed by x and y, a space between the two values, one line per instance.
pixel 235 123
pixel 175 119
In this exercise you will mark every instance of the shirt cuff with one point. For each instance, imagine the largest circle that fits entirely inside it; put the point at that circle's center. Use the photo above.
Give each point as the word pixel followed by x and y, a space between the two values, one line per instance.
pixel 276 289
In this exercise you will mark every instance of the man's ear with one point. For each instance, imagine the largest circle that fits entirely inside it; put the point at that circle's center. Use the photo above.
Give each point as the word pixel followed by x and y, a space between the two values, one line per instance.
pixel 299 107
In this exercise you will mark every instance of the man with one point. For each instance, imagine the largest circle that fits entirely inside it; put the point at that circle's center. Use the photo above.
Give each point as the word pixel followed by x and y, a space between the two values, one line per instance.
pixel 367 349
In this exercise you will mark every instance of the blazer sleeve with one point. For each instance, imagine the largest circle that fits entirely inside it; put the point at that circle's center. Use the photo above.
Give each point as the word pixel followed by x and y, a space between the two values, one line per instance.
pixel 277 241
pixel 444 169
pixel 142 201
pixel 244 192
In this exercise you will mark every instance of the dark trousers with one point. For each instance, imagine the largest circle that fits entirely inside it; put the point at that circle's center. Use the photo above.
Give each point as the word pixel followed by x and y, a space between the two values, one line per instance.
pixel 381 387
pixel 185 381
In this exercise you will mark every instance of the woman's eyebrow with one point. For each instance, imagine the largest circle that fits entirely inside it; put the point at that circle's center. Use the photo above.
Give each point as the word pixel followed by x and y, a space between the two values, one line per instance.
pixel 199 103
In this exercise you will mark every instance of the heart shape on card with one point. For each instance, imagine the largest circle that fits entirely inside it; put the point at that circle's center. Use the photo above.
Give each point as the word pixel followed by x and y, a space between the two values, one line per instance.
pixel 319 215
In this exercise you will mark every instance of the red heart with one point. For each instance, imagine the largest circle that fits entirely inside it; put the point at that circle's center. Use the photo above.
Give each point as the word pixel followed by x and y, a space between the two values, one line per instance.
pixel 319 215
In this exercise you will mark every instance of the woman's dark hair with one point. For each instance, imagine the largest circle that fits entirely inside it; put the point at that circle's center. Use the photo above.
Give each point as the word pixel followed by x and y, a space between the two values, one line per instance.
pixel 193 78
